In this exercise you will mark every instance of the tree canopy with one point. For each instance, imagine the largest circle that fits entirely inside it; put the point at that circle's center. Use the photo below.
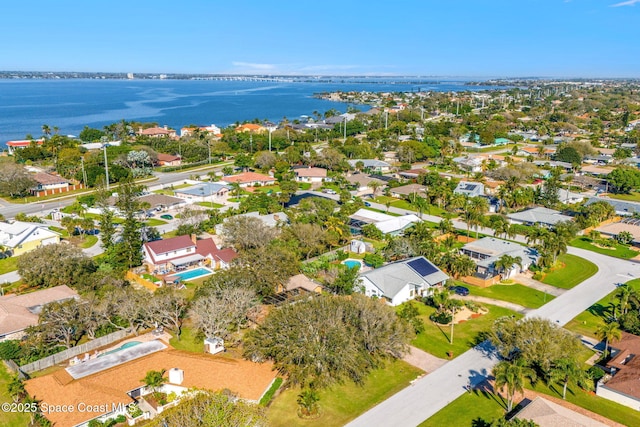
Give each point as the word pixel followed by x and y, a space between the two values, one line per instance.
pixel 328 339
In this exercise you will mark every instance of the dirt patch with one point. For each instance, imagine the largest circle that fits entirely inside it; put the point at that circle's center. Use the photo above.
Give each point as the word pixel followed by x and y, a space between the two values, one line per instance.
pixel 465 314
pixel 466 239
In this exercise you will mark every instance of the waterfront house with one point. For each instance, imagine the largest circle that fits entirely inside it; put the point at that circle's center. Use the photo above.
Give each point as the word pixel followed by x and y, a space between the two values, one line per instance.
pixel 251 128
pixel 157 132
pixel 402 281
pixel 212 129
pixel 18 312
pixel 21 237
pixel 12 146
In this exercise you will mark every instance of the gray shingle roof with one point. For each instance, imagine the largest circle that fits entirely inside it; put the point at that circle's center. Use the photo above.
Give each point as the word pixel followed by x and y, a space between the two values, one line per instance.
pixel 540 216
pixel 392 278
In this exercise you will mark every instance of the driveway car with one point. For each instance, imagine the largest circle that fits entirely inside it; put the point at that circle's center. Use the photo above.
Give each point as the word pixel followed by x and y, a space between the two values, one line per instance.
pixel 460 290
pixel 166 216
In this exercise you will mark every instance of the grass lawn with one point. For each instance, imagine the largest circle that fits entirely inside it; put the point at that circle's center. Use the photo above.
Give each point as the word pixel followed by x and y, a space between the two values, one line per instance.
pixel 382 211
pixel 169 191
pixel 153 222
pixel 270 189
pixel 188 341
pixel 342 403
pixel 63 231
pixel 593 317
pixel 10 419
pixel 618 251
pixel 572 271
pixel 633 197
pixel 83 242
pixel 516 293
pixel 8 264
pixel 435 338
pixel 469 407
pixel 210 205
pixel 170 234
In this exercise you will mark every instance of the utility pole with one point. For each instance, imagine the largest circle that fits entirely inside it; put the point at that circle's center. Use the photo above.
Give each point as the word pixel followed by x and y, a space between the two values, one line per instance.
pixel 84 173
pixel 345 130
pixel 209 148
pixel 106 164
pixel 270 138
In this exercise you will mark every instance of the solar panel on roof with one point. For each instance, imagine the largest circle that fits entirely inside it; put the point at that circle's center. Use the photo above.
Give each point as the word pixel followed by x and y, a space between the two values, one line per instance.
pixel 422 267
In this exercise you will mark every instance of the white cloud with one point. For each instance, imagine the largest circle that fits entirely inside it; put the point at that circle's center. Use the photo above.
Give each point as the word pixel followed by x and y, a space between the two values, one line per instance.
pixel 254 66
pixel 626 3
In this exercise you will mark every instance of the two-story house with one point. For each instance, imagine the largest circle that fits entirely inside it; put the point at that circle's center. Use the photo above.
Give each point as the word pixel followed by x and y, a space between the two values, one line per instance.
pixel 163 256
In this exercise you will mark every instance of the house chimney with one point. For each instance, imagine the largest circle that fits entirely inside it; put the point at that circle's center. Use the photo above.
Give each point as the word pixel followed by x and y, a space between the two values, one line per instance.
pixel 194 239
pixel 165 127
pixel 176 376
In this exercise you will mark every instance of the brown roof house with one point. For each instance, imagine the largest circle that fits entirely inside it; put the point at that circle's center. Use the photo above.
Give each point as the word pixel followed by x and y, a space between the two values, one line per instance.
pixel 18 312
pixel 545 413
pixel 409 190
pixel 157 132
pixel 106 386
pixel 169 160
pixel 310 174
pixel 176 253
pixel 622 385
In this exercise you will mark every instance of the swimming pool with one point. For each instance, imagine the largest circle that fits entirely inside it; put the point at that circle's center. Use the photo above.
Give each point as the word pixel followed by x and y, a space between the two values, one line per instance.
pixel 353 263
pixel 192 274
pixel 122 347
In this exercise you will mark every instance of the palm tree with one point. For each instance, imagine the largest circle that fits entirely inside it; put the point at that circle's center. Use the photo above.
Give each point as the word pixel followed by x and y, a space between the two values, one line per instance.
pixel 374 186
pixel 505 263
pixel 609 332
pixel 479 206
pixel 568 370
pixel 624 294
pixel 308 402
pixel 512 374
pixel 153 380
pixel 445 226
pixel 421 204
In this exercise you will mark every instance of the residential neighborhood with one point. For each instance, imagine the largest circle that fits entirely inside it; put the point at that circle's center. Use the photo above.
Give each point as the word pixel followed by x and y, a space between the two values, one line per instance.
pixel 414 251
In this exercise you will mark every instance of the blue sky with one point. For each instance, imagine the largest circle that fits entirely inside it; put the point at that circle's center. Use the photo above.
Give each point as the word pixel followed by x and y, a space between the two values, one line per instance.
pixel 553 38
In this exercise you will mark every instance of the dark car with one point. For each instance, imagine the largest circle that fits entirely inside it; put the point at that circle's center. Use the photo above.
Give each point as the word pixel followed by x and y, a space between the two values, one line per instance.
pixel 166 216
pixel 460 290
pixel 367 204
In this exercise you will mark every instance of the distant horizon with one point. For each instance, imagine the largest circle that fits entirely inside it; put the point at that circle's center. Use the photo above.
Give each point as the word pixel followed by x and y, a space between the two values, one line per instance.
pixel 366 75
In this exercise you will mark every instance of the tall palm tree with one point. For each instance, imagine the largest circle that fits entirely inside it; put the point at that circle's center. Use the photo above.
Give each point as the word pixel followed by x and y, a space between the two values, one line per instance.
pixel 624 294
pixel 374 186
pixel 512 374
pixel 609 332
pixel 421 204
pixel 445 226
pixel 567 370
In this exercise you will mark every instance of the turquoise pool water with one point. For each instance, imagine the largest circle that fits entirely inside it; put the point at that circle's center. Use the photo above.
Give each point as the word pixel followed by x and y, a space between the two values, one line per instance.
pixel 122 347
pixel 352 263
pixel 192 274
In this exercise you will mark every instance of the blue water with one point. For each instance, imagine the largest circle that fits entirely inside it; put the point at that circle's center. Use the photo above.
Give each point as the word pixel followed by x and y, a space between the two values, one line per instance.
pixel 70 104
pixel 192 274
pixel 122 347
pixel 352 263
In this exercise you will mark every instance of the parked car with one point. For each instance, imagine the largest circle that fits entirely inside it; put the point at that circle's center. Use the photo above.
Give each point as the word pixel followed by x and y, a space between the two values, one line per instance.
pixel 367 204
pixel 329 191
pixel 460 290
pixel 166 216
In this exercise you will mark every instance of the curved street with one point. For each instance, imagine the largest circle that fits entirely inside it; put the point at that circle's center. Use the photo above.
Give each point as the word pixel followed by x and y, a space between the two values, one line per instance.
pixel 426 396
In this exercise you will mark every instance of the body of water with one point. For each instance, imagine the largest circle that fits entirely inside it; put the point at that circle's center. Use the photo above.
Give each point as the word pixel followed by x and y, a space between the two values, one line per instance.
pixel 71 104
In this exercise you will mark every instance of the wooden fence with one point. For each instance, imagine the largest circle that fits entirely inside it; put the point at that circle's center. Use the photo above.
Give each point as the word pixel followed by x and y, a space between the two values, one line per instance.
pixel 69 353
pixel 57 190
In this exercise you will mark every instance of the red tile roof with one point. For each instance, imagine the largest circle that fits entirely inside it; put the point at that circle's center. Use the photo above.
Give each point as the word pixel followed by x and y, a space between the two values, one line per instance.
pixel 169 245
pixel 226 255
pixel 247 177
pixel 162 157
pixel 47 178
pixel 24 143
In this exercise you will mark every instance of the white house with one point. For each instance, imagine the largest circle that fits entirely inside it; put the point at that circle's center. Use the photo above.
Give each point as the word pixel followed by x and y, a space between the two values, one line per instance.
pixel 486 251
pixel 20 237
pixel 311 174
pixel 387 224
pixel 402 281
pixel 372 165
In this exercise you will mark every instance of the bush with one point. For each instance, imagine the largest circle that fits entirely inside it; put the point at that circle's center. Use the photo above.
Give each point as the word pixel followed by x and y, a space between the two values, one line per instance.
pixel 374 260
pixel 10 350
pixel 342 255
pixel 538 276
pixel 441 317
pixel 595 373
